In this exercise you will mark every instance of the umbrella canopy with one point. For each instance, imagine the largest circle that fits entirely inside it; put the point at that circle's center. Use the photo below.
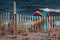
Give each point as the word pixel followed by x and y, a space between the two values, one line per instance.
pixel 40 13
pixel 47 24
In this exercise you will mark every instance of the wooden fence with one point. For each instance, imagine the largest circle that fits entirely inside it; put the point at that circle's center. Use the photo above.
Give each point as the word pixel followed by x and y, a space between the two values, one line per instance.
pixel 26 25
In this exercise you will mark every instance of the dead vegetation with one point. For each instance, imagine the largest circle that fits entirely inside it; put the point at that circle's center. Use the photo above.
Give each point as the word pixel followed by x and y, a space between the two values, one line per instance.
pixel 54 34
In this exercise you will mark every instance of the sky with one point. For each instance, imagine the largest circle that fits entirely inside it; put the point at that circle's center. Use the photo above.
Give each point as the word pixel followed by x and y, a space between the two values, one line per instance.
pixel 28 6
pixel 7 5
